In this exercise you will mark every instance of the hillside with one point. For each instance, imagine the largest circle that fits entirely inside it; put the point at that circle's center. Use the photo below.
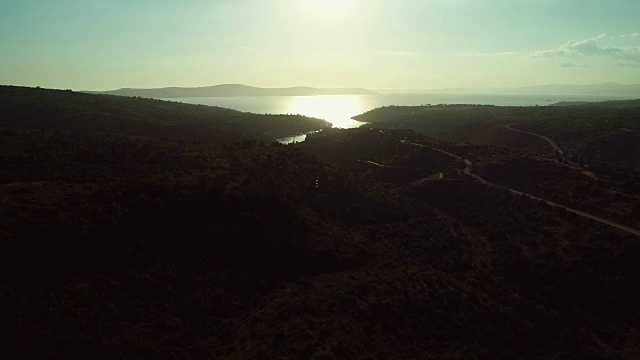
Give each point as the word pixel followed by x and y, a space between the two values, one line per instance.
pixel 355 244
pixel 66 110
pixel 600 133
pixel 234 90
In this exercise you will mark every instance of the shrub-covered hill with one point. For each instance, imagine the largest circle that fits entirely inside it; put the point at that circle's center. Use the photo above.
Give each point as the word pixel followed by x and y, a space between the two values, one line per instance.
pixel 100 260
pixel 562 274
pixel 115 246
pixel 24 107
pixel 607 132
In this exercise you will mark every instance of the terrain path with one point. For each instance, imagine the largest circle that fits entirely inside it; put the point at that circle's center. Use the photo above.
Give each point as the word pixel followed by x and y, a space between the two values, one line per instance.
pixel 469 171
pixel 553 143
pixel 555 146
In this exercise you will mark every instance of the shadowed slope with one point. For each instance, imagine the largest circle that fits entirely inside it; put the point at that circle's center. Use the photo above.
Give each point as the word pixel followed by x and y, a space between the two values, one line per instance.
pixel 67 110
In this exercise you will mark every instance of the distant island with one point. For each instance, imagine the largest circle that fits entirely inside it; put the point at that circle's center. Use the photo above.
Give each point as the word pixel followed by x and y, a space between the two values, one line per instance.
pixel 609 89
pixel 232 90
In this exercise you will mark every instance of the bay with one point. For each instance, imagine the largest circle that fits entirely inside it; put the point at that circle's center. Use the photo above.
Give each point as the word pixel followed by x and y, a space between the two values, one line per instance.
pixel 339 109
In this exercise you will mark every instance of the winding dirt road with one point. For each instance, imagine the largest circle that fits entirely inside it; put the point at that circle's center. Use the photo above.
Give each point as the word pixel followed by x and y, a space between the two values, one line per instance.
pixel 469 171
pixel 555 146
pixel 553 143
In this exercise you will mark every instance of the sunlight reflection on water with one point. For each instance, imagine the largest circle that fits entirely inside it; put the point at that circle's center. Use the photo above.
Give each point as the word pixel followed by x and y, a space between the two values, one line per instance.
pixel 336 109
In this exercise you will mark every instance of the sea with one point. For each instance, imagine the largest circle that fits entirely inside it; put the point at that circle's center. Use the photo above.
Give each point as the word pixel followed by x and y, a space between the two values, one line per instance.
pixel 339 109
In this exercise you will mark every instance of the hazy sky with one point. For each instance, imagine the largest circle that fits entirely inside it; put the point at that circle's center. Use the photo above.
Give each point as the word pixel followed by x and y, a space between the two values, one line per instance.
pixel 108 44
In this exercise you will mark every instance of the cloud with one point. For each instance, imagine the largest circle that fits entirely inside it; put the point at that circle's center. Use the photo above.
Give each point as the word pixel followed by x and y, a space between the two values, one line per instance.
pixel 505 53
pixel 572 65
pixel 630 65
pixel 590 48
pixel 631 35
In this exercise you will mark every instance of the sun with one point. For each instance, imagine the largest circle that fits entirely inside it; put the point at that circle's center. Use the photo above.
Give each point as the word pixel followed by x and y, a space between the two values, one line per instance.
pixel 326 7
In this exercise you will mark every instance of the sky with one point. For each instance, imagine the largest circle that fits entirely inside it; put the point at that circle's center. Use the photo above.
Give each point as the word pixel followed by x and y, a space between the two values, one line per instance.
pixel 375 44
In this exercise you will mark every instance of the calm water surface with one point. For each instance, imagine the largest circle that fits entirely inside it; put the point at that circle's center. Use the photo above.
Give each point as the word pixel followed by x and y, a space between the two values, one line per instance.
pixel 338 109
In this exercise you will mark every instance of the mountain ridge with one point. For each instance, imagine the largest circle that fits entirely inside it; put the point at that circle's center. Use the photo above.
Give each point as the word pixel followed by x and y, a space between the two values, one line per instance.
pixel 232 90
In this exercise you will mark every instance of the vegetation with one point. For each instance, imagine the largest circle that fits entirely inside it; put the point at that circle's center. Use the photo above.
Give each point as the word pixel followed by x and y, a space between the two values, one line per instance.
pixel 66 110
pixel 602 133
pixel 347 246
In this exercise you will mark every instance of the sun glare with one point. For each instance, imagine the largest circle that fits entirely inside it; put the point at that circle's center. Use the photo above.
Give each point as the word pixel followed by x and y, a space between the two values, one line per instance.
pixel 326 7
pixel 337 109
